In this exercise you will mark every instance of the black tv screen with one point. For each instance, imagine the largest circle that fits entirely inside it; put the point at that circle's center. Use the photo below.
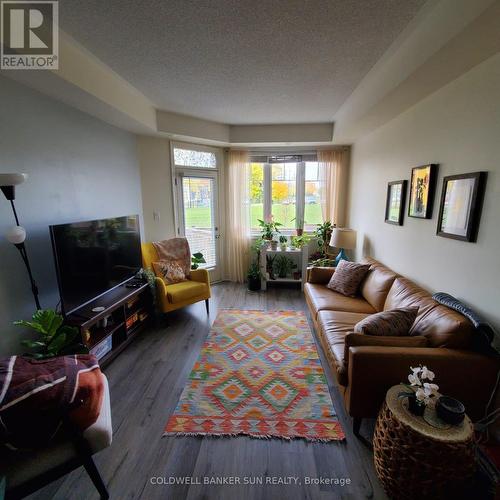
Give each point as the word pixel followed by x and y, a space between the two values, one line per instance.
pixel 92 257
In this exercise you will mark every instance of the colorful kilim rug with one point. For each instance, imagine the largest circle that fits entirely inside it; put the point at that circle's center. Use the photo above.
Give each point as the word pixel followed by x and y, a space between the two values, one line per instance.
pixel 258 374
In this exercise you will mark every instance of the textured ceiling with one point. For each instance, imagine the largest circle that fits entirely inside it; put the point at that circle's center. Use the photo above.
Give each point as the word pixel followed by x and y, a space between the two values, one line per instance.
pixel 240 61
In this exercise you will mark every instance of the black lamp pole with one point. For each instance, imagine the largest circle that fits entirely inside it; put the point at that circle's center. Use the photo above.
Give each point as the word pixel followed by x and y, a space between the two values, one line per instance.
pixel 9 192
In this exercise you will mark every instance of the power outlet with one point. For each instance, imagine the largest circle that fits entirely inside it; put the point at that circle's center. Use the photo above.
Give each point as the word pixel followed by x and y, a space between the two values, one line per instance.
pixel 156 216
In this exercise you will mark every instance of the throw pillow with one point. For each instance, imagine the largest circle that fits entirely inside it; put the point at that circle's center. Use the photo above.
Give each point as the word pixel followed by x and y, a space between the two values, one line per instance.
pixel 393 323
pixel 170 270
pixel 347 277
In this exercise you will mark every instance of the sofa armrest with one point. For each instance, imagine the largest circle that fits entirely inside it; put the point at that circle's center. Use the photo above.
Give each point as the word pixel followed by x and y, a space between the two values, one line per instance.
pixel 372 370
pixel 200 275
pixel 319 275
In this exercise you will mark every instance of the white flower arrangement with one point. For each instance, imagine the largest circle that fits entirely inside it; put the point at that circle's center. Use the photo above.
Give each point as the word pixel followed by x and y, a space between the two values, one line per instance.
pixel 425 392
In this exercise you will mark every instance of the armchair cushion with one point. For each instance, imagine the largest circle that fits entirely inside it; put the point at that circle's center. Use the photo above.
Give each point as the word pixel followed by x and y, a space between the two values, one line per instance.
pixel 170 270
pixel 180 292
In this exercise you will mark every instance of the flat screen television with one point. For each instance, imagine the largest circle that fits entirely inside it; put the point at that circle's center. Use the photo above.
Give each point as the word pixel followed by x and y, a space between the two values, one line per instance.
pixel 93 257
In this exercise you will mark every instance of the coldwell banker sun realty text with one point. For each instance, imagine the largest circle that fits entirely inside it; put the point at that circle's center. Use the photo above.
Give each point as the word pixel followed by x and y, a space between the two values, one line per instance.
pixel 29 35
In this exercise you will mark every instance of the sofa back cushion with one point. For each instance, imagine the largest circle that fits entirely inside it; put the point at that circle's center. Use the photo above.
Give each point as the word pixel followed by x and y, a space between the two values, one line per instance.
pixel 441 326
pixel 377 284
pixel 444 327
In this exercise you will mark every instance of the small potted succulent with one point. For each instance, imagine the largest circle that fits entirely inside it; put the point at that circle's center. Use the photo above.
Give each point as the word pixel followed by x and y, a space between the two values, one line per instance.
pixel 421 392
pixel 283 242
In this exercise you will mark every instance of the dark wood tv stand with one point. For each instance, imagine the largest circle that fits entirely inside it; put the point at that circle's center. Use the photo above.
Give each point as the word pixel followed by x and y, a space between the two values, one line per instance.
pixel 127 312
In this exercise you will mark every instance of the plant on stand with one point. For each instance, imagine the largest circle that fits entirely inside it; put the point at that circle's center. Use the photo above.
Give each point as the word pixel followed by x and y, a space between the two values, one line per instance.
pixel 283 242
pixel 197 259
pixel 283 266
pixel 421 392
pixel 323 233
pixel 268 228
pixel 299 225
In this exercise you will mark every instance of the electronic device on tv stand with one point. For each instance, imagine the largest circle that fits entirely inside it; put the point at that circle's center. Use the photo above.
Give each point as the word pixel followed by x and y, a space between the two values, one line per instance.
pixel 93 258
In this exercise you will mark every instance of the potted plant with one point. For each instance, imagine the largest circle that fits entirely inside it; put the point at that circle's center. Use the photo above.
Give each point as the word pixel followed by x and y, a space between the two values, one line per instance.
pixel 297 275
pixel 421 392
pixel 323 234
pixel 300 241
pixel 197 259
pixel 283 242
pixel 299 225
pixel 254 277
pixel 270 265
pixel 268 228
pixel 283 266
pixel 54 338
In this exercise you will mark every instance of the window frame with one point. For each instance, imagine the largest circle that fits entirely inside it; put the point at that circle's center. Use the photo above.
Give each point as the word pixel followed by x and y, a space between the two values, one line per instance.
pixel 300 188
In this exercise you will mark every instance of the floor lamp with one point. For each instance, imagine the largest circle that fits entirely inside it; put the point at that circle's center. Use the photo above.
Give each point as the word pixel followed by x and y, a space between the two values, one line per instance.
pixel 17 234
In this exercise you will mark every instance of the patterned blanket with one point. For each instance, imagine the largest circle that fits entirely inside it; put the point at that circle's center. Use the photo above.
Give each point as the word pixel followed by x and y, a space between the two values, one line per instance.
pixel 36 395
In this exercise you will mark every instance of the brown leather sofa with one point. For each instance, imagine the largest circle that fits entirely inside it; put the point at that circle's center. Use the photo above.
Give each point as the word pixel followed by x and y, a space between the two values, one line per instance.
pixel 366 366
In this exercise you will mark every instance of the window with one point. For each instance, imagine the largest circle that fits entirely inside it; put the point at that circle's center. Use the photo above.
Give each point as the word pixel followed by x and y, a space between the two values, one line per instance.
pixel 193 158
pixel 312 200
pixel 256 194
pixel 283 193
pixel 286 187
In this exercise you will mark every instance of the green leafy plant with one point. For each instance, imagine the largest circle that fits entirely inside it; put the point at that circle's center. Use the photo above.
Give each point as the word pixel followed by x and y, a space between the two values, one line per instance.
pixel 254 271
pixel 323 233
pixel 150 277
pixel 300 241
pixel 283 239
pixel 269 228
pixel 283 266
pixel 54 338
pixel 197 259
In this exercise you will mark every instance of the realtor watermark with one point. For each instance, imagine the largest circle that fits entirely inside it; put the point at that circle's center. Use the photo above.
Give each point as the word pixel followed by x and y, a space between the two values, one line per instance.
pixel 29 35
pixel 250 480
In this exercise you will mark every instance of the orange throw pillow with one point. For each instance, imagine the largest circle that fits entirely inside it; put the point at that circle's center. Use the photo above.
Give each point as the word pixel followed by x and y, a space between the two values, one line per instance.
pixel 170 270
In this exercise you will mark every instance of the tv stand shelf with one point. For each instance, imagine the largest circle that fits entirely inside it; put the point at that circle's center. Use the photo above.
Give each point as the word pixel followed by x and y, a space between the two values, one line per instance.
pixel 127 312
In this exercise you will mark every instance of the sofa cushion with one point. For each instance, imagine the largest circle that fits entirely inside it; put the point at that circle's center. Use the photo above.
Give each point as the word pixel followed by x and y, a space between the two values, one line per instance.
pixel 321 298
pixel 179 292
pixel 376 285
pixel 334 326
pixel 170 271
pixel 393 323
pixel 442 326
pixel 347 277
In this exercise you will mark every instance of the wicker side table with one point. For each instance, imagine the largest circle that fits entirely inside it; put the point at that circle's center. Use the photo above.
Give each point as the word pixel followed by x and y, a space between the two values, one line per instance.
pixel 415 460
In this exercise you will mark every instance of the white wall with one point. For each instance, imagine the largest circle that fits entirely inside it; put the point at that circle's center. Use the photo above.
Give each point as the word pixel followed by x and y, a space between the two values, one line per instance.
pixel 79 168
pixel 457 127
pixel 156 181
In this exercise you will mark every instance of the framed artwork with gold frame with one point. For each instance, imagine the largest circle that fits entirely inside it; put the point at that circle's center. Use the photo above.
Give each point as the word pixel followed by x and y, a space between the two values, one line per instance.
pixel 422 188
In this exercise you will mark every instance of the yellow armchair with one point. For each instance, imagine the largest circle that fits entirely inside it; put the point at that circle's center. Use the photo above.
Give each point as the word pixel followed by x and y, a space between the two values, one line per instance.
pixel 172 297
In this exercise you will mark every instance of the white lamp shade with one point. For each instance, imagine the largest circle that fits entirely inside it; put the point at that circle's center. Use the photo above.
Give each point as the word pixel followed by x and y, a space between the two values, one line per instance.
pixel 12 179
pixel 16 235
pixel 343 238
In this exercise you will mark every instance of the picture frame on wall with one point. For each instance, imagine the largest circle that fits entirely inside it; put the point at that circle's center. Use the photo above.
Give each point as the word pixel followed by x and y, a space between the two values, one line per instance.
pixel 422 188
pixel 461 205
pixel 395 202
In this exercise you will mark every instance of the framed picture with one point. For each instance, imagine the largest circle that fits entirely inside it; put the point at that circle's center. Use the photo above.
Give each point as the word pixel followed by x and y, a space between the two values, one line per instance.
pixel 461 204
pixel 422 186
pixel 395 203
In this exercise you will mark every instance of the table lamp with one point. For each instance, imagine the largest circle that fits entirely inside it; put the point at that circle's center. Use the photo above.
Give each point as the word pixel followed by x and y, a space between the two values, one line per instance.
pixel 17 234
pixel 343 239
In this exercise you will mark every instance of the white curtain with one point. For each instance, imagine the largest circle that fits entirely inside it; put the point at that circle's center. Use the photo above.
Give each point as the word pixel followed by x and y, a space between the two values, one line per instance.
pixel 333 174
pixel 237 216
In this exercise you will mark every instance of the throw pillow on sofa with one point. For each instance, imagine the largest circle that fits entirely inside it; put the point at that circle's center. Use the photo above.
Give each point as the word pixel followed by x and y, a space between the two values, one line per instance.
pixel 392 323
pixel 170 270
pixel 347 277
